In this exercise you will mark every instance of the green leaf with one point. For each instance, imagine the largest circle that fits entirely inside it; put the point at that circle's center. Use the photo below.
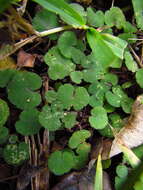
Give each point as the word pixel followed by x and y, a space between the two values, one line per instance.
pixel 28 123
pixel 122 171
pixel 95 19
pixel 50 119
pixel 66 42
pixel 69 119
pixel 4 133
pixel 76 76
pixel 111 78
pixel 50 96
pixel 107 49
pixel 4 112
pixel 92 75
pixel 56 160
pixel 99 175
pixel 130 63
pixel 113 99
pixel 83 151
pixel 5 76
pixel 4 4
pixel 115 17
pixel 59 66
pixel 99 118
pixel 139 75
pixel 67 13
pixel 138 10
pixel 16 154
pixel 81 98
pixel 126 104
pixel 65 95
pixel 78 137
pixel 129 28
pixel 45 20
pixel 21 90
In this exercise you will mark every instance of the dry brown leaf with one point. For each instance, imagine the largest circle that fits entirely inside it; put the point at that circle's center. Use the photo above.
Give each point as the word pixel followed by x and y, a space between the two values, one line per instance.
pixel 131 135
pixel 25 59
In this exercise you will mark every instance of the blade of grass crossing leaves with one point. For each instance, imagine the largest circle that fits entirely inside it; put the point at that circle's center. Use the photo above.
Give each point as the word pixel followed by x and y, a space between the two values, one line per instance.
pixel 108 49
pixel 138 10
pixel 130 156
pixel 67 13
pixel 99 175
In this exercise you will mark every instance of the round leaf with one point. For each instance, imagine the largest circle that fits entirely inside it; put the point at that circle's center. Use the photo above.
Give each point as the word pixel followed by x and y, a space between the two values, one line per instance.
pixel 139 75
pixel 49 120
pixel 69 119
pixel 78 137
pixel 21 90
pixel 99 118
pixel 65 43
pixel 28 123
pixel 61 162
pixel 76 76
pixel 4 112
pixel 122 171
pixel 112 99
pixel 81 98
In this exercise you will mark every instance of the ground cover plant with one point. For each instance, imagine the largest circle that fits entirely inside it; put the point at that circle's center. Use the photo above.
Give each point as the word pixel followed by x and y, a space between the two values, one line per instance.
pixel 71 94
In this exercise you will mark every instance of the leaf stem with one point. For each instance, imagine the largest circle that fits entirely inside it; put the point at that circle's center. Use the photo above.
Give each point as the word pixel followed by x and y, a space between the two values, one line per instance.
pixel 52 31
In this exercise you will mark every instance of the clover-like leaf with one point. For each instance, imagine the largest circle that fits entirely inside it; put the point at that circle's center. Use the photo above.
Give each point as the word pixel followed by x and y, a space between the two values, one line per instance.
pixel 21 90
pixel 50 119
pixel 4 112
pixel 16 154
pixel 138 8
pixel 61 162
pixel 126 104
pixel 44 20
pixel 111 78
pixel 78 137
pixel 83 151
pixel 98 118
pixel 69 119
pixel 76 76
pixel 50 96
pixel 66 42
pixel 5 76
pixel 28 123
pixel 139 75
pixel 81 98
pixel 96 101
pixel 98 88
pixel 115 17
pixel 78 56
pixel 4 133
pixel 113 99
pixel 59 66
pixel 95 19
pixel 65 95
pixel 130 63
pixel 92 75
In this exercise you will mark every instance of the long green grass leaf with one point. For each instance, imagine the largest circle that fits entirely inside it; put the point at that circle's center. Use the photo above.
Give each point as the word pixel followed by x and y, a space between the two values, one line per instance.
pixel 99 175
pixel 138 11
pixel 67 13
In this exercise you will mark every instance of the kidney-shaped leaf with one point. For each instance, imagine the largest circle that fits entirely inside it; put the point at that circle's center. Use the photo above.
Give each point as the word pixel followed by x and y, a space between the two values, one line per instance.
pixel 21 90
pixel 4 112
pixel 28 123
pixel 78 137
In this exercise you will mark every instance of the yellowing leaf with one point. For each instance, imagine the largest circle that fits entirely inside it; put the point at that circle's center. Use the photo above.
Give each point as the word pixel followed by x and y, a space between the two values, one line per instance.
pixel 7 63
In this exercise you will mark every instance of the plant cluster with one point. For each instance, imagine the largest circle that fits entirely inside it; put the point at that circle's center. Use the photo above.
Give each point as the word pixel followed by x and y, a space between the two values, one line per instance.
pixel 82 71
